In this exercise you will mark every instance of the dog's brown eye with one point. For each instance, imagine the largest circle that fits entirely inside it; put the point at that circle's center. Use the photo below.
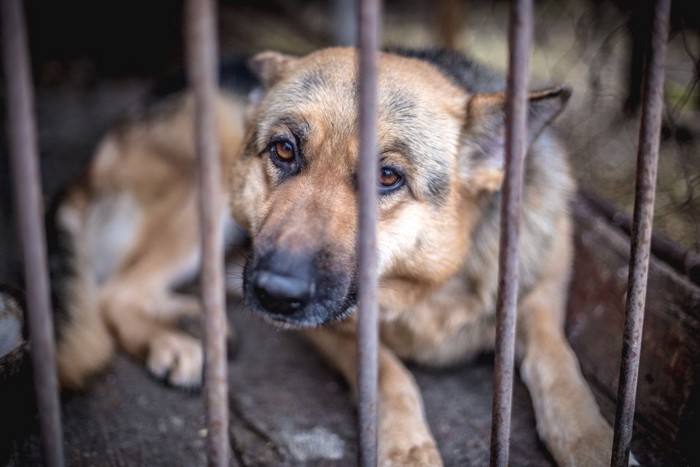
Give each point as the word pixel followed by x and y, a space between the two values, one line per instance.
pixel 389 180
pixel 284 150
pixel 388 177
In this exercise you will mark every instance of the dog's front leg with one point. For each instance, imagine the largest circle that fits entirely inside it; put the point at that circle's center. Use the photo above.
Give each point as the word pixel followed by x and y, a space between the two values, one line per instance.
pixel 568 418
pixel 404 436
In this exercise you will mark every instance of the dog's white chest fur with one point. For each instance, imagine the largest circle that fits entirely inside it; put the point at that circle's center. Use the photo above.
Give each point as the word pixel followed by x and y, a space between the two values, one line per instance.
pixel 110 232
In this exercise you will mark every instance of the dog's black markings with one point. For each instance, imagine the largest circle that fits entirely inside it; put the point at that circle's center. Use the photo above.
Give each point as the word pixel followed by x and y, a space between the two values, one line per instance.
pixel 464 72
pixel 61 254
pixel 311 81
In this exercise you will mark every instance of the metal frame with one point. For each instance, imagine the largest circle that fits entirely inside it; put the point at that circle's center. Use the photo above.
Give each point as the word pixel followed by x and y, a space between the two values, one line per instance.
pixel 368 312
pixel 647 162
pixel 202 59
pixel 28 199
pixel 519 39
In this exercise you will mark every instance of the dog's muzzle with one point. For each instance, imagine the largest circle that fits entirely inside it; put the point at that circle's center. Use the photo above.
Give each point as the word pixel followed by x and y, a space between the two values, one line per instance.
pixel 297 289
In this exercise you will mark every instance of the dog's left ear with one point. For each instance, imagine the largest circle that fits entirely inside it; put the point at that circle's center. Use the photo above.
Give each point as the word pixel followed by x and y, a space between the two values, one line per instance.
pixel 483 136
pixel 270 66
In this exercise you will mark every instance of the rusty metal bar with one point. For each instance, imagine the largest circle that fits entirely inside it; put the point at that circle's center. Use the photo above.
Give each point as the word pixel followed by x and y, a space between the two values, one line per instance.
pixel 519 39
pixel 28 199
pixel 647 161
pixel 203 65
pixel 368 331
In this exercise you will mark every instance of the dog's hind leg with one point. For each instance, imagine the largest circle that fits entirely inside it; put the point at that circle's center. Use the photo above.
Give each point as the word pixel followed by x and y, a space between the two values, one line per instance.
pixel 568 418
pixel 138 303
pixel 134 312
pixel 168 353
pixel 404 435
pixel 84 345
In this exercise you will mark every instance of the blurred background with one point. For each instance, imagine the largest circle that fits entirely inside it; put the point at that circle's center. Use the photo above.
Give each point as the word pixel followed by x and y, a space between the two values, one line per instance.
pixel 92 60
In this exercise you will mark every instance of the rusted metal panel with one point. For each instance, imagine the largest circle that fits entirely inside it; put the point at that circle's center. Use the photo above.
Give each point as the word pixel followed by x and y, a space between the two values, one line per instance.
pixel 519 39
pixel 203 65
pixel 368 331
pixel 28 196
pixel 647 161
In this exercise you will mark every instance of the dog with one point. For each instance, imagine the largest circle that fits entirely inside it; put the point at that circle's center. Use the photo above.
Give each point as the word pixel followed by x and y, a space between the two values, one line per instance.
pixel 290 157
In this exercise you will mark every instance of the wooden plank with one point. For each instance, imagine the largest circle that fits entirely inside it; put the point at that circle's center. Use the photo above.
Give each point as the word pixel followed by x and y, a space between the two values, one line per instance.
pixel 667 402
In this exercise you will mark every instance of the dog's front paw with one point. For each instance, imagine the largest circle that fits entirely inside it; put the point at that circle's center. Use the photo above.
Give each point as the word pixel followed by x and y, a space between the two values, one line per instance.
pixel 589 448
pixel 177 359
pixel 403 454
pixel 585 454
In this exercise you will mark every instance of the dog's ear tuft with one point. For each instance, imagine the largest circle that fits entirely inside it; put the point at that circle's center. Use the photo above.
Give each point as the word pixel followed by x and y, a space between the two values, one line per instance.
pixel 270 66
pixel 485 130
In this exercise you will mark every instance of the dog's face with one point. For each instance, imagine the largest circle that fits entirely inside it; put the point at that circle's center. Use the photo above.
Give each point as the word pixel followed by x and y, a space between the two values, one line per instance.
pixel 294 188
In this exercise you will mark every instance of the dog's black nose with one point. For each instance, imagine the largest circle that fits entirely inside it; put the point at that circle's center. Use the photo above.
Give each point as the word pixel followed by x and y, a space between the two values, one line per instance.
pixel 281 294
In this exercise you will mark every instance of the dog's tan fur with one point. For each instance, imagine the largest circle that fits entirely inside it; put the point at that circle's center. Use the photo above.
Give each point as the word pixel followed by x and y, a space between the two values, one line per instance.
pixel 437 237
pixel 133 229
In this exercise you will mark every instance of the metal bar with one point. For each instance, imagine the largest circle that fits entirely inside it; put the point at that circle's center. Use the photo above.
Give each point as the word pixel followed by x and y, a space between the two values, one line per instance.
pixel 203 66
pixel 647 161
pixel 368 331
pixel 519 38
pixel 28 198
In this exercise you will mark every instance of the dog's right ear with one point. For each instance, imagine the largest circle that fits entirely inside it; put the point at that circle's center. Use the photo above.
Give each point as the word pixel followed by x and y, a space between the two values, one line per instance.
pixel 270 66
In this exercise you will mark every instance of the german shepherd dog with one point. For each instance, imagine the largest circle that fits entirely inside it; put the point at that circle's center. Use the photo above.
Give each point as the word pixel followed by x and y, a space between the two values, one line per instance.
pixel 290 158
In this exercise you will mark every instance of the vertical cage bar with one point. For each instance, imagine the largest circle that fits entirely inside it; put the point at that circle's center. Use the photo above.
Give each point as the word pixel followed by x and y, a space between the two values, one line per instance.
pixel 519 38
pixel 28 198
pixel 647 161
pixel 203 72
pixel 368 332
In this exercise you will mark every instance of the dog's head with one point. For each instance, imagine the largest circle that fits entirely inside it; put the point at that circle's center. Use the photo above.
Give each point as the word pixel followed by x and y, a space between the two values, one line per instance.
pixel 294 188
